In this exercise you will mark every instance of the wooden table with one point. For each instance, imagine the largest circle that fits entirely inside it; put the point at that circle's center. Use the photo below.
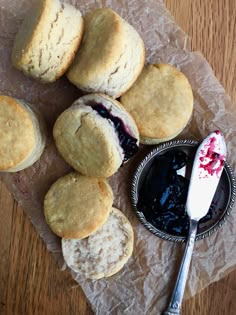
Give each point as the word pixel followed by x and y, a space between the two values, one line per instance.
pixel 30 282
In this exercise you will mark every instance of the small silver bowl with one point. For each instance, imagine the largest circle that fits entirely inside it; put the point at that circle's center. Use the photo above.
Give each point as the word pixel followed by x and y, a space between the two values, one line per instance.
pixel 224 196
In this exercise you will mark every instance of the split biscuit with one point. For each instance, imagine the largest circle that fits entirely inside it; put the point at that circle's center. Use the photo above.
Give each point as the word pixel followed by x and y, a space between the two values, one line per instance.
pixel 103 253
pixel 22 136
pixel 96 135
pixel 47 40
pixel 161 103
pixel 111 55
pixel 76 206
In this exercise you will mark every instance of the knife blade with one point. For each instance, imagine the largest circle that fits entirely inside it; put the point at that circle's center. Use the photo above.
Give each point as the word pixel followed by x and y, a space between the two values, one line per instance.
pixel 206 172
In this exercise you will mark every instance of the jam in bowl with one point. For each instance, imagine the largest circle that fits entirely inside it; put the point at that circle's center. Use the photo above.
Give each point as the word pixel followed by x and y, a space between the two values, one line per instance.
pixel 160 187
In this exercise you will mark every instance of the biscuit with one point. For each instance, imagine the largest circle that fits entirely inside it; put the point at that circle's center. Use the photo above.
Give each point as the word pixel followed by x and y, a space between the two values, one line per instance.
pixel 22 136
pixel 103 253
pixel 161 103
pixel 47 40
pixel 76 206
pixel 111 55
pixel 96 135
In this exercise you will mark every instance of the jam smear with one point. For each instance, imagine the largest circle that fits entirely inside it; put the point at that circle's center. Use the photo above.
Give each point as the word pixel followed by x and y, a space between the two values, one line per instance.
pixel 127 142
pixel 215 160
pixel 163 194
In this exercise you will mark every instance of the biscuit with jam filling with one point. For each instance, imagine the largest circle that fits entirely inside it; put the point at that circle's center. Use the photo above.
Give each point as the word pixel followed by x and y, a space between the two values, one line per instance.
pixel 96 135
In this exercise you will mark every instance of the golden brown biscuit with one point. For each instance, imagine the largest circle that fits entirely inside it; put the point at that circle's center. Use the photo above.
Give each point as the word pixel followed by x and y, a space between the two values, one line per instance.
pixel 47 40
pixel 161 103
pixel 103 253
pixel 76 206
pixel 22 136
pixel 111 55
pixel 96 135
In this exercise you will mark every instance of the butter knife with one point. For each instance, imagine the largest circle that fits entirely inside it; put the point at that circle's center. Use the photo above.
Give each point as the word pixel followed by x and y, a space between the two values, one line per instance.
pixel 206 172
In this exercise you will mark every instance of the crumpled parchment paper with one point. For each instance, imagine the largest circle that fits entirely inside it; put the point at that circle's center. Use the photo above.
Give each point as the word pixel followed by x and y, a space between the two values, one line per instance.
pixel 145 283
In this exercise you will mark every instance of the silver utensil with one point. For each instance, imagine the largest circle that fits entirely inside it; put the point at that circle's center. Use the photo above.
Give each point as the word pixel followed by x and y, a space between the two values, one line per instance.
pixel 206 172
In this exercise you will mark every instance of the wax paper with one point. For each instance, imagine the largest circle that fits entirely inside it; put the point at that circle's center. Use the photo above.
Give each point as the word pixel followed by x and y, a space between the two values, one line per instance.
pixel 145 283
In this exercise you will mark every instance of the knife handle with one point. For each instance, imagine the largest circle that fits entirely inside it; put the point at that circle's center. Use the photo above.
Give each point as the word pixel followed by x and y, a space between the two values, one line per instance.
pixel 178 292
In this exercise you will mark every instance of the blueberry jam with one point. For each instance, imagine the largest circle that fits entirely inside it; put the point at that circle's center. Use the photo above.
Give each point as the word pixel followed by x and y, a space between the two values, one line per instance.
pixel 163 194
pixel 127 142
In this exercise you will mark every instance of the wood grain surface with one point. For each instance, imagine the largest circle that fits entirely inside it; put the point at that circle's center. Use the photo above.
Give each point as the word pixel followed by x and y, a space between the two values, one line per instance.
pixel 30 282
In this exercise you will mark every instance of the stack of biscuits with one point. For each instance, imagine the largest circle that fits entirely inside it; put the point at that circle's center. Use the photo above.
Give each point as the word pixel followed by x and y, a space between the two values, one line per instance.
pixel 125 102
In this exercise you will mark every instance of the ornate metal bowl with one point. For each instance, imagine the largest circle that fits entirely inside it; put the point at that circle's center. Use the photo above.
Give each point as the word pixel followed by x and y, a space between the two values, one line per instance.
pixel 225 194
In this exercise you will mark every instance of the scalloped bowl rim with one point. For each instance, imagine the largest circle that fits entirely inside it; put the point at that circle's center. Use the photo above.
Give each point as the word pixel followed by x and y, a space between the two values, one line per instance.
pixel 134 193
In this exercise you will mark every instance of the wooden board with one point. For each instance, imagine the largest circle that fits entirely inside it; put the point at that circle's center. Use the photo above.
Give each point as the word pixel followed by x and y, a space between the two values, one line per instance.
pixel 30 282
